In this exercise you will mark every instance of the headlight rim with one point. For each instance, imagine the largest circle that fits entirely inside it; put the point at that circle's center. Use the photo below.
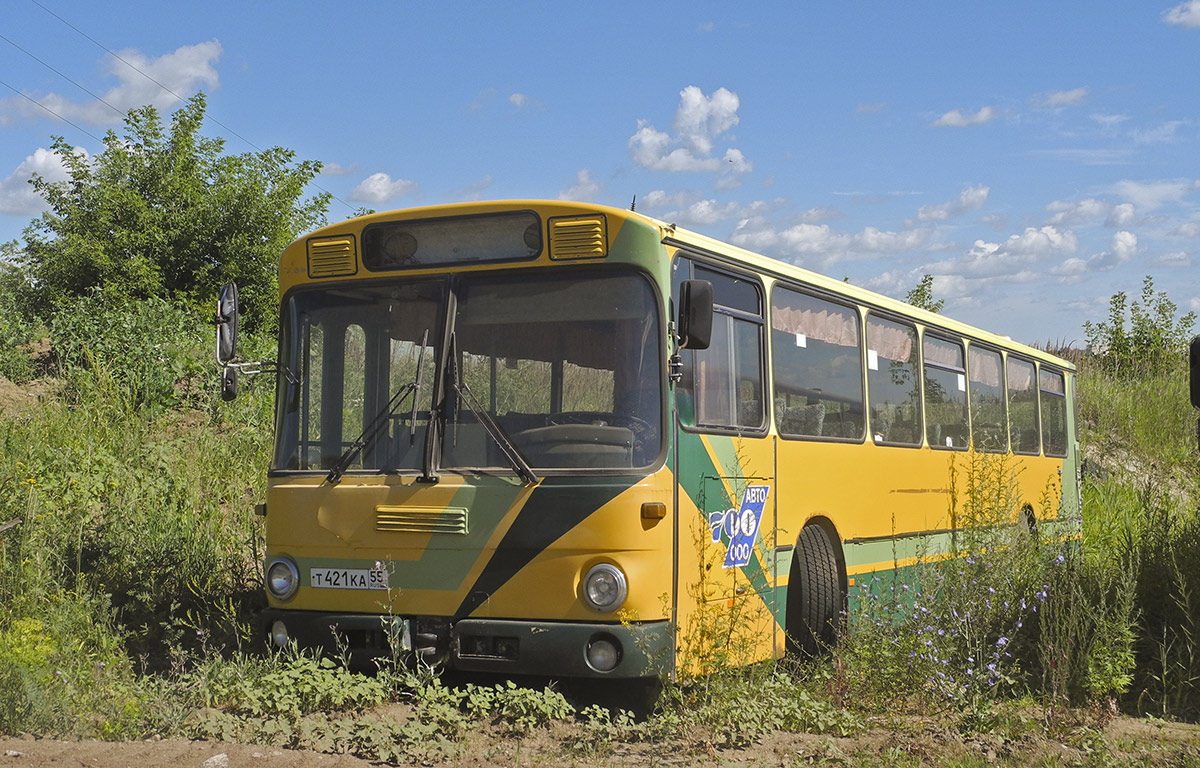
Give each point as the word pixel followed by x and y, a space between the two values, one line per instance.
pixel 293 571
pixel 621 587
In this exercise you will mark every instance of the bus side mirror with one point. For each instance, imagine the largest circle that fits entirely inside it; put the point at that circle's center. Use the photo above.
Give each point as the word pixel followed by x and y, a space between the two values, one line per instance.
pixel 227 323
pixel 229 383
pixel 695 314
pixel 1194 371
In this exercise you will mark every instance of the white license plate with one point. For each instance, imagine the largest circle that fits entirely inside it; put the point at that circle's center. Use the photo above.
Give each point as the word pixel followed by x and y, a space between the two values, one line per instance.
pixel 347 578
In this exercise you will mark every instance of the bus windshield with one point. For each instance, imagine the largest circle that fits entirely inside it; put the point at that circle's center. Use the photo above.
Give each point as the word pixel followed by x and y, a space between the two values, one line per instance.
pixel 568 367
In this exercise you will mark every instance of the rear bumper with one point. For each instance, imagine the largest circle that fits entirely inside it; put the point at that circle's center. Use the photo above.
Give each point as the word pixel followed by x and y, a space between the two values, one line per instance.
pixel 494 646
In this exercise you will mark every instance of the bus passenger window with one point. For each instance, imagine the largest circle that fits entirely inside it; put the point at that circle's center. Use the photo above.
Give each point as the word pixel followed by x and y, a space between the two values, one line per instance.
pixel 815 349
pixel 1022 406
pixel 1054 412
pixel 722 386
pixel 989 417
pixel 946 424
pixel 893 390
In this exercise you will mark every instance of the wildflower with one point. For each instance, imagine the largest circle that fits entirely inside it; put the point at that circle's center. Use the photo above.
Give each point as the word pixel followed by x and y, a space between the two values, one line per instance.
pixel 1003 641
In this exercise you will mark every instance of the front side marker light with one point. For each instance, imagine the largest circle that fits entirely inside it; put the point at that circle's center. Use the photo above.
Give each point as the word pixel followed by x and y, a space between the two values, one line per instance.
pixel 283 579
pixel 604 587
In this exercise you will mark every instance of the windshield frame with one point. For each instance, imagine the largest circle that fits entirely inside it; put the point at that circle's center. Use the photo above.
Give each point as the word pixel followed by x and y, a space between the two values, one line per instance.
pixel 438 397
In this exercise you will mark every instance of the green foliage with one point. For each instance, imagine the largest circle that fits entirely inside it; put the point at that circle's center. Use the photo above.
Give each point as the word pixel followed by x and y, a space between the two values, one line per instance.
pixel 922 295
pixel 17 330
pixel 144 354
pixel 164 212
pixel 1154 341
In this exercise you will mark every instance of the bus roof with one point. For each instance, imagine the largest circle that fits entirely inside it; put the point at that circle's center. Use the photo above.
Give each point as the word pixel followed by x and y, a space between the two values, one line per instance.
pixel 719 249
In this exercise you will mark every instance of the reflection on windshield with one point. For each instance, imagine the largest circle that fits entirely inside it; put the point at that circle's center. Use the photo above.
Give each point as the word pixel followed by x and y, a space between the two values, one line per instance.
pixel 569 370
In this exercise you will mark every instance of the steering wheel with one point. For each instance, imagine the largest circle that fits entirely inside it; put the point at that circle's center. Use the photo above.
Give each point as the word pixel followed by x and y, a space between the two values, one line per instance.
pixel 601 419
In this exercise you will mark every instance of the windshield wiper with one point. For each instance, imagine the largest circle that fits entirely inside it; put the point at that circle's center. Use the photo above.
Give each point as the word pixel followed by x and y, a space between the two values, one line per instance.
pixel 490 425
pixel 371 430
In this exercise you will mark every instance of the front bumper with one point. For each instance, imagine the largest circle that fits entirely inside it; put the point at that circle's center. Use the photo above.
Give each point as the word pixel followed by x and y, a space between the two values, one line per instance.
pixel 496 646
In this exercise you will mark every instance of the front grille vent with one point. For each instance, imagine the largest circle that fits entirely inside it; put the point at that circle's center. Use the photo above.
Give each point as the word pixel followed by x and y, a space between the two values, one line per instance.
pixel 578 237
pixel 332 256
pixel 451 520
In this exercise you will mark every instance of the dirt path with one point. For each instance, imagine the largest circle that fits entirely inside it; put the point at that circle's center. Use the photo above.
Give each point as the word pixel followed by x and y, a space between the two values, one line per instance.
pixel 1122 742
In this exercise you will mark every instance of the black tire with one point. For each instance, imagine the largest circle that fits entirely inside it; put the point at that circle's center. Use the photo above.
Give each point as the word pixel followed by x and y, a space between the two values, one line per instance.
pixel 814 597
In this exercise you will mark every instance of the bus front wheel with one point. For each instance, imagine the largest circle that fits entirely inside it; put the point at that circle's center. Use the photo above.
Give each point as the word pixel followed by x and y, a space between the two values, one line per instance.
pixel 814 596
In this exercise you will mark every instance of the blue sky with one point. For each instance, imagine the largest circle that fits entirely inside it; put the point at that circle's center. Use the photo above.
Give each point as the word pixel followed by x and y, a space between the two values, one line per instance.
pixel 1034 157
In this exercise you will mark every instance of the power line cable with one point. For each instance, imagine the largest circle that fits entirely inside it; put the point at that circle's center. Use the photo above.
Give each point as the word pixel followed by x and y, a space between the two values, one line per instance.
pixel 51 111
pixel 64 77
pixel 116 56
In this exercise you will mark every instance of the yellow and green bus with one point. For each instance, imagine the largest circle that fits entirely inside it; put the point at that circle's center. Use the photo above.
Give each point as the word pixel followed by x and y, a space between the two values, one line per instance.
pixel 563 439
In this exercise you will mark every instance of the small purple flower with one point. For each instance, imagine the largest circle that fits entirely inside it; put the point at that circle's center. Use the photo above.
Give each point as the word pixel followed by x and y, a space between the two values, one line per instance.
pixel 1002 642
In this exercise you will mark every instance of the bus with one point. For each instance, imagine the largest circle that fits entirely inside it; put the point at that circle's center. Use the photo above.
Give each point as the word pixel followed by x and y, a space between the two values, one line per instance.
pixel 570 440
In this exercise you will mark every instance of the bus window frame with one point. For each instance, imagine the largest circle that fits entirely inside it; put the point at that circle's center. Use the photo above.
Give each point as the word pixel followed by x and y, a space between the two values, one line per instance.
pixel 911 323
pixel 815 293
pixel 945 337
pixel 999 352
pixel 756 281
pixel 1037 403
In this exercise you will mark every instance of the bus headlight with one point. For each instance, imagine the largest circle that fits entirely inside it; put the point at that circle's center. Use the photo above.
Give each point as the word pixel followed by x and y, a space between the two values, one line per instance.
pixel 282 578
pixel 604 587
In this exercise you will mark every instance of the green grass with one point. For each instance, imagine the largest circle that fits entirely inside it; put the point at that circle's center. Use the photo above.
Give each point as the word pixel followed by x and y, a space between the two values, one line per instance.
pixel 127 590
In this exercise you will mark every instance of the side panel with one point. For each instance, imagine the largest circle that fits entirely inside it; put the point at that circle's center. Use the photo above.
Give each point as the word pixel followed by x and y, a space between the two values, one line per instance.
pixel 727 608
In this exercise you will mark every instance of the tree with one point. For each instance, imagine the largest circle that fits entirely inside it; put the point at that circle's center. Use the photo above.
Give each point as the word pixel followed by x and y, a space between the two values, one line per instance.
pixel 922 296
pixel 1155 341
pixel 165 212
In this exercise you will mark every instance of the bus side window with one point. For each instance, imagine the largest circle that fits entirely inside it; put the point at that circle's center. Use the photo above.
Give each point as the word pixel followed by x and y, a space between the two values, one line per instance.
pixel 893 383
pixel 722 386
pixel 1054 412
pixel 817 358
pixel 946 424
pixel 1023 406
pixel 989 416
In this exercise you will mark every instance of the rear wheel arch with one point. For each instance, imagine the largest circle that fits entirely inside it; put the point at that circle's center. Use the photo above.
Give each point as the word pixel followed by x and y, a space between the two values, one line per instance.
pixel 817 589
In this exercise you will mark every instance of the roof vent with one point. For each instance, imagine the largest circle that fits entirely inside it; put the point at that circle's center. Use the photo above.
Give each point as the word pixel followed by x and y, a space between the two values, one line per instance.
pixel 332 256
pixel 579 237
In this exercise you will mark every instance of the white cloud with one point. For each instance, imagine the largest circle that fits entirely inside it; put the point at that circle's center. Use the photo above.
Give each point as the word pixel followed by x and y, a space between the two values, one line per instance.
pixel 1072 213
pixel 819 246
pixel 518 99
pixel 1121 215
pixel 956 119
pixel 1073 270
pixel 1175 259
pixel 1108 121
pixel 187 70
pixel 1185 14
pixel 1150 195
pixel 1057 99
pixel 693 209
pixel 970 199
pixel 1011 259
pixel 17 197
pixel 380 188
pixel 699 121
pixel 1163 134
pixel 585 188
pixel 336 169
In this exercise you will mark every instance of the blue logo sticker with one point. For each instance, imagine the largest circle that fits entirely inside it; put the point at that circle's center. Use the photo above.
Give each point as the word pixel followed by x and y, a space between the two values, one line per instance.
pixel 740 526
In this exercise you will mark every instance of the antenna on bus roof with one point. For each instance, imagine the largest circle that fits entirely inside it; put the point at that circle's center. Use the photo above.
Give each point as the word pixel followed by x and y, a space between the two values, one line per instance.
pixel 633 205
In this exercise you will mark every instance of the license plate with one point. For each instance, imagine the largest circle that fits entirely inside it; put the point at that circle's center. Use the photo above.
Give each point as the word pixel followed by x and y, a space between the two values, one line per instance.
pixel 347 578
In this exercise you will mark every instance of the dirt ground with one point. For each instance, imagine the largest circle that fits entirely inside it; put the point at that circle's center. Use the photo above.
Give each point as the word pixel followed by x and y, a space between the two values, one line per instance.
pixel 1122 741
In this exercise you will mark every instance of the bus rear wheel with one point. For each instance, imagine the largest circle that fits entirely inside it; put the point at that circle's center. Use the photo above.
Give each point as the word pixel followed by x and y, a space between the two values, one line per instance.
pixel 814 596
